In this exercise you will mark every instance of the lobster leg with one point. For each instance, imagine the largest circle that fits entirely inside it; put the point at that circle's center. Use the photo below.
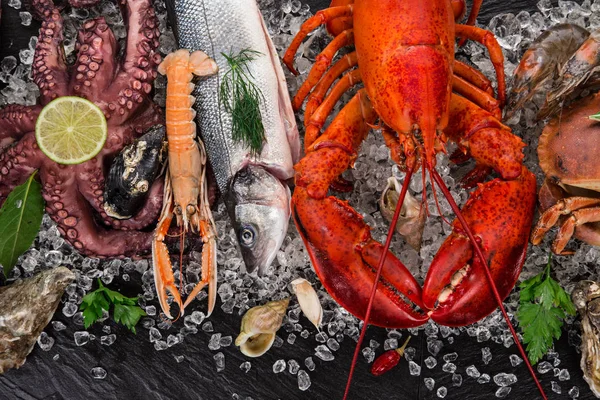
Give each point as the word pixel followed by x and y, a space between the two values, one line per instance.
pixel 488 141
pixel 317 120
pixel 310 25
pixel 338 25
pixel 318 94
pixel 338 241
pixel 323 61
pixel 476 95
pixel 487 39
pixel 473 76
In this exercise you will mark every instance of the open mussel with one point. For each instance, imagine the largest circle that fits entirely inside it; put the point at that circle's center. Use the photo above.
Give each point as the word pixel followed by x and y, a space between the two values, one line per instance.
pixel 132 173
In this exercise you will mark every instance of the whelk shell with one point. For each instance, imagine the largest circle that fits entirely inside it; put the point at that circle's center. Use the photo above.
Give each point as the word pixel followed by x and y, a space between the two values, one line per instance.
pixel 412 215
pixel 309 301
pixel 259 326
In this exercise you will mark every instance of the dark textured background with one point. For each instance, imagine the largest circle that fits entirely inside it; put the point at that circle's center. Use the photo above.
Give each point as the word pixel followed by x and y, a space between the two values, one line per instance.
pixel 137 371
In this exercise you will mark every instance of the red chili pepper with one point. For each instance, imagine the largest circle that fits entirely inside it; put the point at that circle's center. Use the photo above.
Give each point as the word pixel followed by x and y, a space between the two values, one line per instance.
pixel 388 360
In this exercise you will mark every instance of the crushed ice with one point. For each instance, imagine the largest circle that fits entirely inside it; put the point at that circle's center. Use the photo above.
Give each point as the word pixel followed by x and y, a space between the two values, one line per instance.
pixel 239 291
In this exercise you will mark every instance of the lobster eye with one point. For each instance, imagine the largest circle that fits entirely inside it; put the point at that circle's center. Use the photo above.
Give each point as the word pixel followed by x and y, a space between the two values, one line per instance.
pixel 247 236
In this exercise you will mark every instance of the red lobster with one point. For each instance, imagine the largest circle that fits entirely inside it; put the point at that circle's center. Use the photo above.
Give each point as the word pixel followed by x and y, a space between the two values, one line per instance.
pixel 422 96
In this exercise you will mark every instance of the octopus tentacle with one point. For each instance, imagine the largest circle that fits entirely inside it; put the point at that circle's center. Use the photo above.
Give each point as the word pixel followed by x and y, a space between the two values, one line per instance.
pixel 15 121
pixel 72 213
pixel 49 64
pixel 133 82
pixel 17 163
pixel 95 64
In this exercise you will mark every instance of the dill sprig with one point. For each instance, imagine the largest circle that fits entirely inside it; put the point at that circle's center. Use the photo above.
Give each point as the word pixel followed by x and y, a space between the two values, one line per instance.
pixel 241 98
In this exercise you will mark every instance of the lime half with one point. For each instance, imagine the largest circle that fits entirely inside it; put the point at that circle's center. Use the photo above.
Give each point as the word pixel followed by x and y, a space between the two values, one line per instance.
pixel 71 130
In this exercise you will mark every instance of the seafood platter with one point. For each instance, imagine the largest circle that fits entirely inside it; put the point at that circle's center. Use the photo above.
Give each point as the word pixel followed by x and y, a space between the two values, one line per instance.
pixel 355 198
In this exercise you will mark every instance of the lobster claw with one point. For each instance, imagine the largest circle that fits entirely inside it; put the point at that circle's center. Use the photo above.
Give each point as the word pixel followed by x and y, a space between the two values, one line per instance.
pixel 345 257
pixel 500 215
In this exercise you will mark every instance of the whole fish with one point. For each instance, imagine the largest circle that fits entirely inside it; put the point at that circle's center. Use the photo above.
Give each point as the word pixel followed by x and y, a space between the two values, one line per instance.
pixel 252 182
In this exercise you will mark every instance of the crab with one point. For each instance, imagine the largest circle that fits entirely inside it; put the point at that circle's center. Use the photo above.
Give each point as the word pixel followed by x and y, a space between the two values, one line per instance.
pixel 568 150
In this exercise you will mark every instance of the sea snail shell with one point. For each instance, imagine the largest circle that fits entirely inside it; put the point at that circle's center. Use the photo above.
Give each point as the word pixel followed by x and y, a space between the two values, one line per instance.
pixel 259 326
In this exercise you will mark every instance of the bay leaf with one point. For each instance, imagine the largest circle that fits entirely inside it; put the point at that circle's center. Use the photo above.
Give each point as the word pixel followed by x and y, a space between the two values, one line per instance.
pixel 20 220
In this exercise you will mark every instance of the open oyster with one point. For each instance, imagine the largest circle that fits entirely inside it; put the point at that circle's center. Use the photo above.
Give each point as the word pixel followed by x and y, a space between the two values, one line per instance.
pixel 26 307
pixel 586 297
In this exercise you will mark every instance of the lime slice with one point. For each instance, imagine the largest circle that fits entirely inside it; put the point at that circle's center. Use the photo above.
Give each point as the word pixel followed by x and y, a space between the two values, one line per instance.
pixel 71 130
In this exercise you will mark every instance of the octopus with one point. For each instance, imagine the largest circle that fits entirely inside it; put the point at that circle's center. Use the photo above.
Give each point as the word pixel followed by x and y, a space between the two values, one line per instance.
pixel 120 87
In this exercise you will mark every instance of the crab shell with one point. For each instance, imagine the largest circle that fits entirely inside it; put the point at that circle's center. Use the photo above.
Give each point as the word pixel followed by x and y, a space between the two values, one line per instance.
pixel 569 151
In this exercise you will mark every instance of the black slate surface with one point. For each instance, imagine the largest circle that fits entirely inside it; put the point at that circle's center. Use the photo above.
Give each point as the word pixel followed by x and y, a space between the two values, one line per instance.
pixel 137 371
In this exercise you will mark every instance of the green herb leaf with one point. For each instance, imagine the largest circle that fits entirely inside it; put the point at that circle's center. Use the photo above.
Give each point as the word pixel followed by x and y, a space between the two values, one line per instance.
pixel 128 315
pixel 241 98
pixel 126 311
pixel 595 117
pixel 20 219
pixel 542 309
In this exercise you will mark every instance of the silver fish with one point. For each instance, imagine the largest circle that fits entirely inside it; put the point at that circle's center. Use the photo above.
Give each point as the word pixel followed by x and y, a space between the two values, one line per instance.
pixel 257 201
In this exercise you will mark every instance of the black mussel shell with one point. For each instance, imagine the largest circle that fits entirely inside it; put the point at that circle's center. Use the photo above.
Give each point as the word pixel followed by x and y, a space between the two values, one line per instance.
pixel 132 173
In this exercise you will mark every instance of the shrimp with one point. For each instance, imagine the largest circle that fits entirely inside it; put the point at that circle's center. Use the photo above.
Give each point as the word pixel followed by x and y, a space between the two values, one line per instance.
pixel 185 190
pixel 542 61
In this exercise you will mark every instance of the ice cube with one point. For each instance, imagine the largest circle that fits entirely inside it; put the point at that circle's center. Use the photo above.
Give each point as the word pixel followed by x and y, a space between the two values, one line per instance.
pixel 45 341
pixel 279 366
pixel 429 383
pixel 293 367
pixel 303 380
pixel 98 373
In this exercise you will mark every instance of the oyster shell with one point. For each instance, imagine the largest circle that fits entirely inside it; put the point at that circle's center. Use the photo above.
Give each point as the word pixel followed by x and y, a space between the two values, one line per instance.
pixel 26 307
pixel 412 215
pixel 259 326
pixel 586 297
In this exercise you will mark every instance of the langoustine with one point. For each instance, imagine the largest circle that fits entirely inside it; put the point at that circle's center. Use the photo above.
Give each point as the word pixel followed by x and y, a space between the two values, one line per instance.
pixel 252 181
pixel 186 189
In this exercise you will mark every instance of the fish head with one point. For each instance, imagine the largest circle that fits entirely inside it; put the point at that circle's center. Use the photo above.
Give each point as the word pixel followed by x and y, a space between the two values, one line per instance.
pixel 259 207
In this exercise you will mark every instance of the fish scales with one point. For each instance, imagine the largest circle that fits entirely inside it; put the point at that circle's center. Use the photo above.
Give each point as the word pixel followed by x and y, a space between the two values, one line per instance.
pixel 229 26
pixel 253 186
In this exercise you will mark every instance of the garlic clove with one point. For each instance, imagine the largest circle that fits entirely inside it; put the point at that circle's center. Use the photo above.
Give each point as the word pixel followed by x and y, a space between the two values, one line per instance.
pixel 259 326
pixel 309 301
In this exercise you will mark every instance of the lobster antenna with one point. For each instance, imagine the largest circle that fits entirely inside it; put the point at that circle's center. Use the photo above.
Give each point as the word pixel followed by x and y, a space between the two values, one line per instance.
pixel 438 179
pixel 437 204
pixel 388 242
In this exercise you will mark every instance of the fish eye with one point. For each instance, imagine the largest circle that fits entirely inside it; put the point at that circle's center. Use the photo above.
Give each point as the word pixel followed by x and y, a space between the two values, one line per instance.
pixel 247 236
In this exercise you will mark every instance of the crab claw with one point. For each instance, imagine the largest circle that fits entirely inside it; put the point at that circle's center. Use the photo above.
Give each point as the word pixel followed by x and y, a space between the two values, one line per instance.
pixel 345 257
pixel 499 214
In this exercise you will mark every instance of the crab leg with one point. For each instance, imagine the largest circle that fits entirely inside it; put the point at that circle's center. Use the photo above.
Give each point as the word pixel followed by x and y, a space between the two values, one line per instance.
pixel 550 217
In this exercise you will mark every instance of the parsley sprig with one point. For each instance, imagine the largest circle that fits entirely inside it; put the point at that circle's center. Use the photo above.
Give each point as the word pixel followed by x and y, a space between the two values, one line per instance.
pixel 126 311
pixel 543 306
